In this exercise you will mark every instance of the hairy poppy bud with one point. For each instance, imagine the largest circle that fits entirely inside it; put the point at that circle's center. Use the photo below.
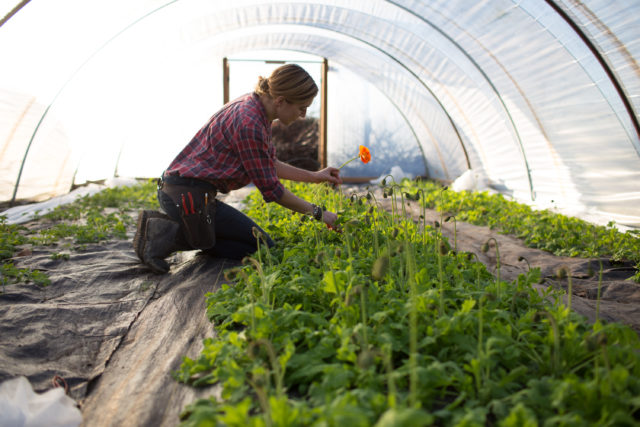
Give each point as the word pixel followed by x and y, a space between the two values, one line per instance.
pixel 380 267
pixel 561 273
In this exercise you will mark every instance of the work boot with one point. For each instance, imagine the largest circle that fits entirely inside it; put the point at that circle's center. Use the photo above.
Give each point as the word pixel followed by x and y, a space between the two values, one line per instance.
pixel 160 242
pixel 141 230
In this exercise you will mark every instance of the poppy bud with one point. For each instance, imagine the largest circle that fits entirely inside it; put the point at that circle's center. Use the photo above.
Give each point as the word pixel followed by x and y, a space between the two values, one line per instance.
pixel 365 359
pixel 485 247
pixel 230 274
pixel 443 248
pixel 259 381
pixel 380 267
pixel 561 273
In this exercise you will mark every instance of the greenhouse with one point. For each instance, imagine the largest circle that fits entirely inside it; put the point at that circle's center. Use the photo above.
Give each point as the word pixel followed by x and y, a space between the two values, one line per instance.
pixel 480 263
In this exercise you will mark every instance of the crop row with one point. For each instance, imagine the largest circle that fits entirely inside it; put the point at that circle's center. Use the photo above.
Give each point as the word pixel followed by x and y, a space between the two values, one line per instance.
pixel 542 229
pixel 90 219
pixel 382 324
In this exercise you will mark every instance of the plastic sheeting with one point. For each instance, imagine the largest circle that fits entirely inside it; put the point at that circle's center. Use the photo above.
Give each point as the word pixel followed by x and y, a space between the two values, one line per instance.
pixel 541 96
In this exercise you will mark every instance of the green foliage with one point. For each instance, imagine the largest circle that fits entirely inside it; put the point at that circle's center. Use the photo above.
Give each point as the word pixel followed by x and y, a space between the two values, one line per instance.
pixel 90 219
pixel 11 236
pixel 542 229
pixel 320 332
pixel 9 274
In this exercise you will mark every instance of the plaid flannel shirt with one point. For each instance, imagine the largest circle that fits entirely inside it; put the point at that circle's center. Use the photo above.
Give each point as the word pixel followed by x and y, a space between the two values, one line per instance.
pixel 233 149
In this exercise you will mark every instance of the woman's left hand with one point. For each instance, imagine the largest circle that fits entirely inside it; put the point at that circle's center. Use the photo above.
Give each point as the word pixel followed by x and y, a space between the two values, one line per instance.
pixel 329 174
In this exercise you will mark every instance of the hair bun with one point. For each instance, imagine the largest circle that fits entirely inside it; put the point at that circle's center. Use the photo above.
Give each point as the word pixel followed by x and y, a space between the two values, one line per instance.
pixel 263 85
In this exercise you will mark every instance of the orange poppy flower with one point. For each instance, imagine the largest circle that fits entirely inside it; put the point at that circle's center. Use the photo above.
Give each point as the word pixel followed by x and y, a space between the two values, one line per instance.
pixel 365 155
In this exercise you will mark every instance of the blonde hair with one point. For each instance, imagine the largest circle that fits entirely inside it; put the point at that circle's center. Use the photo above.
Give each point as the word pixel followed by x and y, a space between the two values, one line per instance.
pixel 290 81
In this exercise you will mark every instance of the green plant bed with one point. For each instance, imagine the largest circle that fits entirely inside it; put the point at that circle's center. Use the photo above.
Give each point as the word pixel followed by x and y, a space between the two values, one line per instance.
pixel 90 219
pixel 382 324
pixel 542 229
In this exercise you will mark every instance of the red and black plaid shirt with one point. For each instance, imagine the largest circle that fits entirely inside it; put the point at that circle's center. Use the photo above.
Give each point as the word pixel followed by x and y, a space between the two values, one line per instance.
pixel 233 149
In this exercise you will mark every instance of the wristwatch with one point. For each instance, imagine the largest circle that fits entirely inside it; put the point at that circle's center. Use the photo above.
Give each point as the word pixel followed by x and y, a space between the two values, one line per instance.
pixel 317 212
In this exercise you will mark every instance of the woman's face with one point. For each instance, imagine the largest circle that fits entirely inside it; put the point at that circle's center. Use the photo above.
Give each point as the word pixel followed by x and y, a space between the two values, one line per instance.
pixel 288 112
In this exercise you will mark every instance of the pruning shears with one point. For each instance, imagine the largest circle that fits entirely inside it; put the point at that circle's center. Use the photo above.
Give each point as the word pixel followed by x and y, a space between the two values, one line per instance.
pixel 184 203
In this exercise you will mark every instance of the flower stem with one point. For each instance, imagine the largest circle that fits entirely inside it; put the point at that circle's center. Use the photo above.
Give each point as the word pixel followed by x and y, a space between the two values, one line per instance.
pixel 348 161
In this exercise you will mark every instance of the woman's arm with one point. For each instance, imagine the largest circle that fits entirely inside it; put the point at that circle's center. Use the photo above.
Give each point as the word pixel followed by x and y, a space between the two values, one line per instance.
pixel 292 173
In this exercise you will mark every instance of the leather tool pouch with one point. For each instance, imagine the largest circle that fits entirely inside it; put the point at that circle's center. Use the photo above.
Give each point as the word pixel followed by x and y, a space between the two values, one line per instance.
pixel 197 208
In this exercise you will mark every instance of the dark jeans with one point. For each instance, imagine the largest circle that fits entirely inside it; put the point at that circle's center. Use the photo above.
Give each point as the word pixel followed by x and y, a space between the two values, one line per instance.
pixel 234 230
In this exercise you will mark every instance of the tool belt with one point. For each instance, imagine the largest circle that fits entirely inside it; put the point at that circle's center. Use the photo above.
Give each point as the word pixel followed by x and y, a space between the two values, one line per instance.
pixel 196 202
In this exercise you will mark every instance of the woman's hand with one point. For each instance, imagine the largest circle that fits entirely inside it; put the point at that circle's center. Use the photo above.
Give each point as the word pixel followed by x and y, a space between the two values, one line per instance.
pixel 329 217
pixel 329 174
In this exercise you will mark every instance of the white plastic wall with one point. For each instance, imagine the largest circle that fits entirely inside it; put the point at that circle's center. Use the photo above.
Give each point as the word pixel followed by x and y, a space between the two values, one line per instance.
pixel 541 96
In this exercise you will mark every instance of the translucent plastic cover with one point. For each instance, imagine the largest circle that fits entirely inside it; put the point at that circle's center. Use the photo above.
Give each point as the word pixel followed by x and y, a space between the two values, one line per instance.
pixel 541 97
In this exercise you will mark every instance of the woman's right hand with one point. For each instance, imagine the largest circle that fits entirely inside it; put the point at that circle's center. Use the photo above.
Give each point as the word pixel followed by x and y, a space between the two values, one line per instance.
pixel 329 217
